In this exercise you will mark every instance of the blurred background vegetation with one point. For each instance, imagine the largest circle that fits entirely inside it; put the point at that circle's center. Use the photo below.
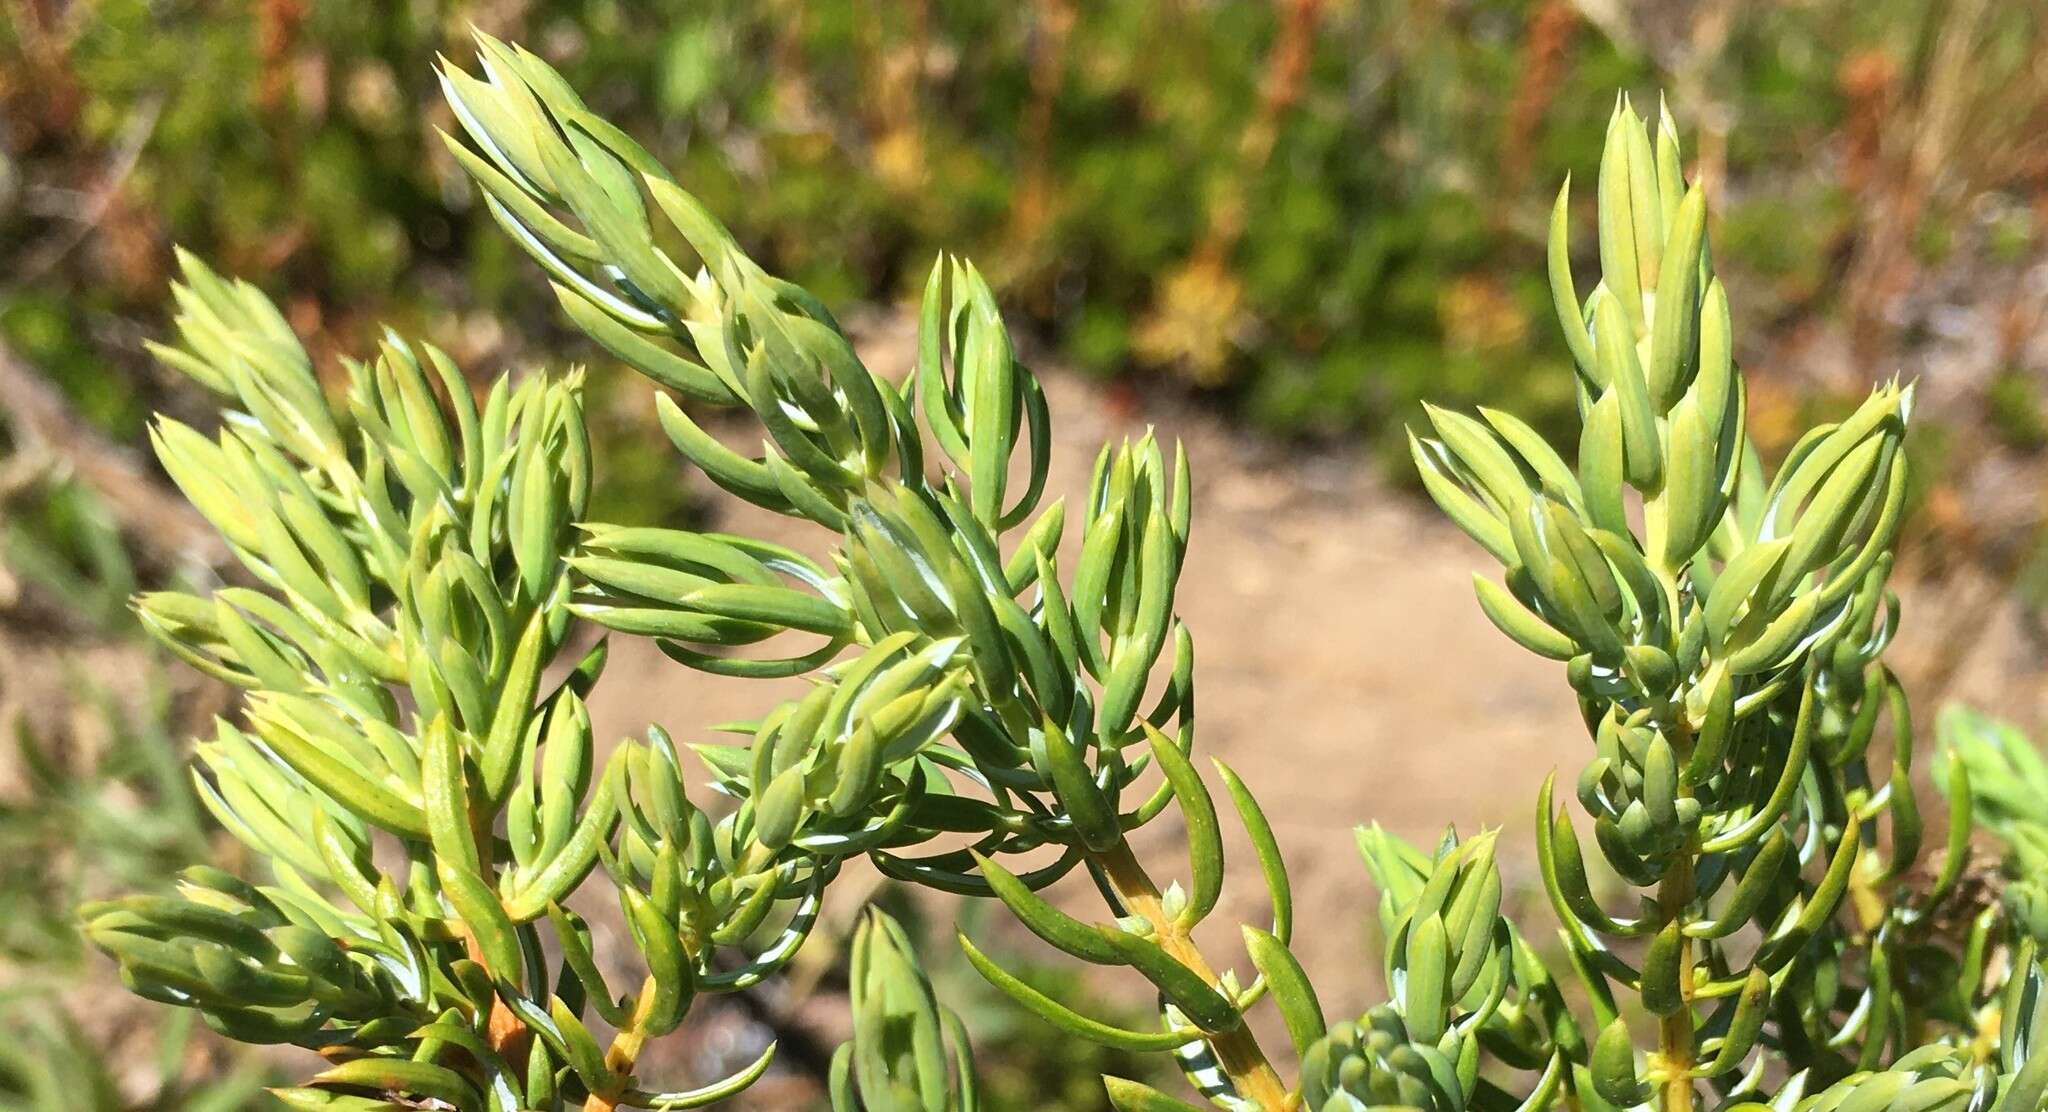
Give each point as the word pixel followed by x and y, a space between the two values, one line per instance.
pixel 1304 214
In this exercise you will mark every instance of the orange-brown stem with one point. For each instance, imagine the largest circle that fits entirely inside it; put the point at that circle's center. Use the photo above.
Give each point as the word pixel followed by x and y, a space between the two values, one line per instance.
pixel 624 1052
pixel 1237 1051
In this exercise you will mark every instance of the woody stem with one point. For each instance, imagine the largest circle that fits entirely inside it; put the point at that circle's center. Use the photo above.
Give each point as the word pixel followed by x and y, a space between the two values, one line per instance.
pixel 1237 1050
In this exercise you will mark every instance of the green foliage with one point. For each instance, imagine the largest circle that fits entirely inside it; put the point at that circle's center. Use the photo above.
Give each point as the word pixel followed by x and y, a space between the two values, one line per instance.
pixel 987 716
pixel 48 1064
pixel 2013 410
pixel 908 1051
pixel 1726 659
pixel 58 543
pixel 104 804
pixel 99 802
pixel 2003 776
pixel 1326 209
